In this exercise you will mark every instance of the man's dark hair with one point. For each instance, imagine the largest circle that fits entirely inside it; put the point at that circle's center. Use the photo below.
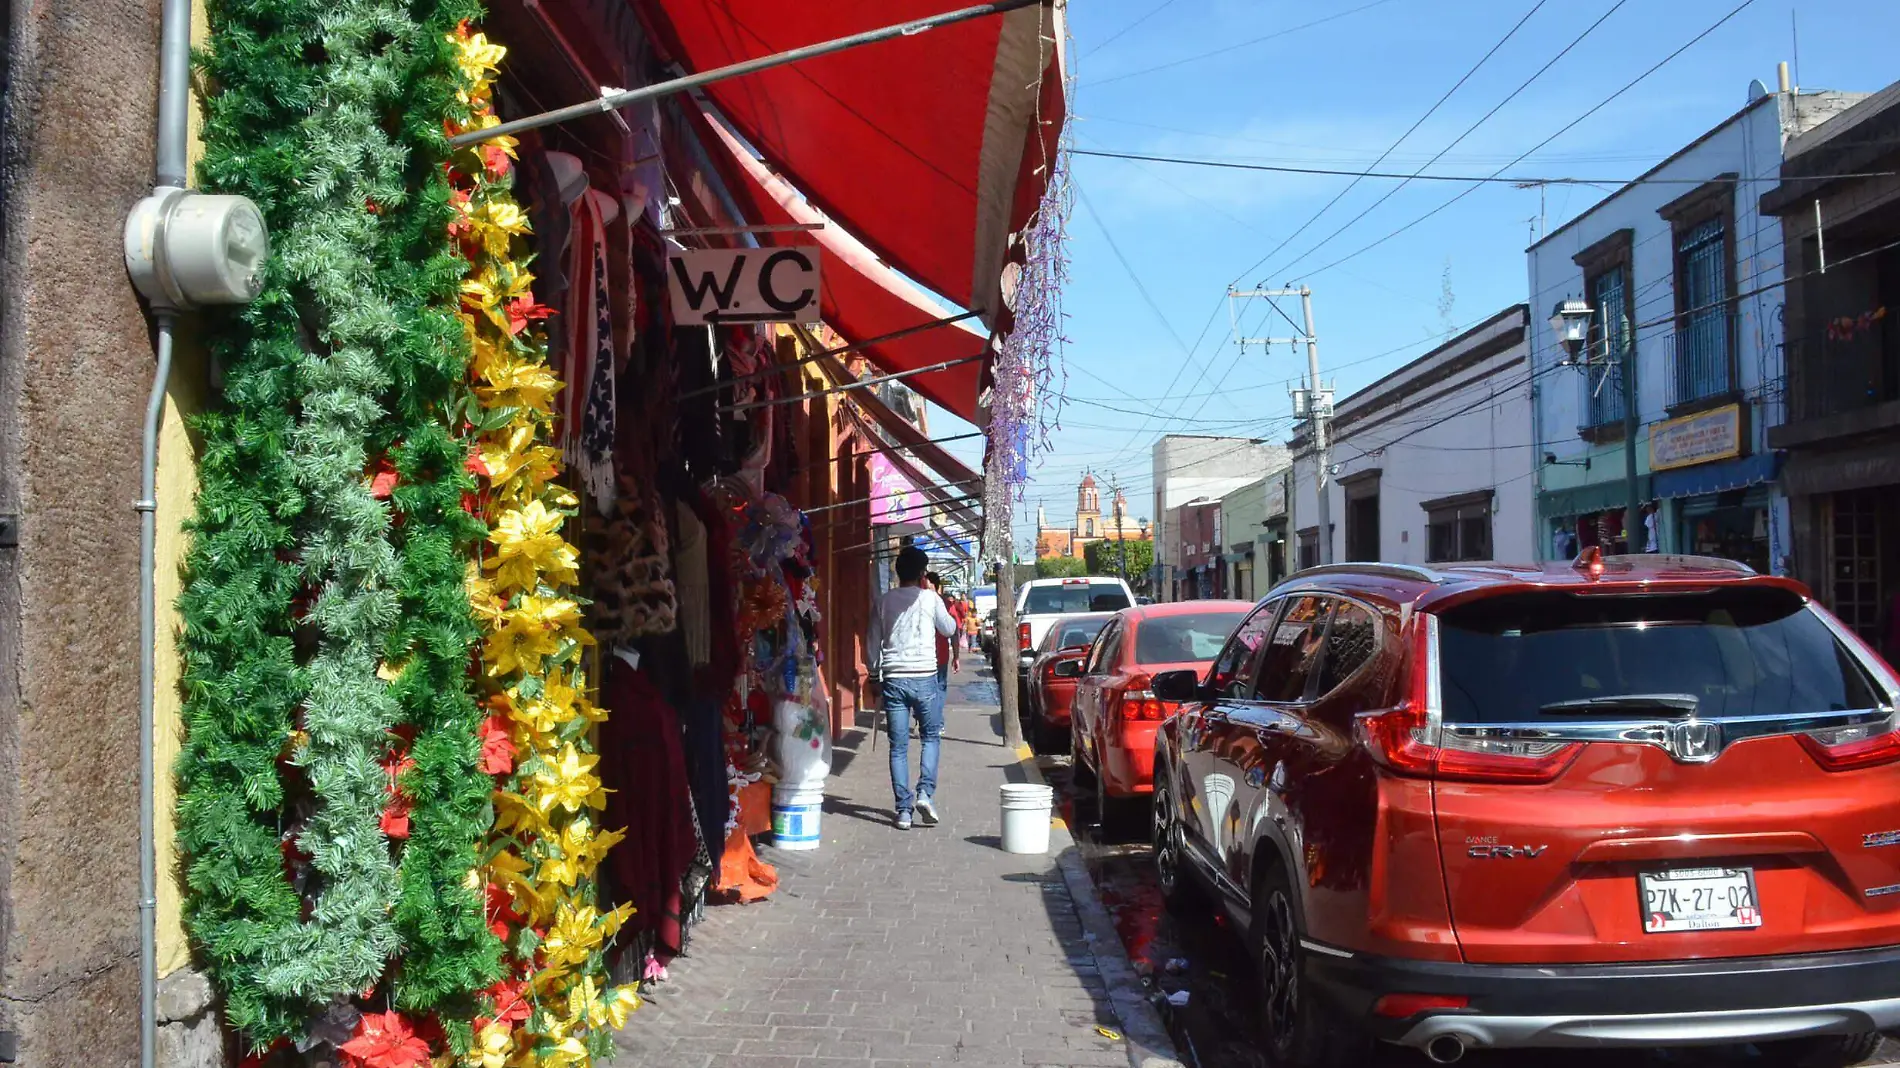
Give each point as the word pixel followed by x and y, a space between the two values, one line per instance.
pixel 912 562
pixel 936 580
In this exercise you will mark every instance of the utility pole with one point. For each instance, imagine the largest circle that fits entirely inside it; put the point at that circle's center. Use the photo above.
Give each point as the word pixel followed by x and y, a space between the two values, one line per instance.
pixel 1633 514
pixel 1313 403
pixel 1121 544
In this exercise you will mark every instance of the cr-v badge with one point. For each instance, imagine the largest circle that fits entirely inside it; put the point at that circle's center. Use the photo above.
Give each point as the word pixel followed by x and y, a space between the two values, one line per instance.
pixel 1486 851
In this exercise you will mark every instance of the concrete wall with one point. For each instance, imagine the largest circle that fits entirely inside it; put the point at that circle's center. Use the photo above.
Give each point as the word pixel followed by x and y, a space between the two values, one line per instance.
pixel 1187 467
pixel 1749 144
pixel 1455 421
pixel 75 366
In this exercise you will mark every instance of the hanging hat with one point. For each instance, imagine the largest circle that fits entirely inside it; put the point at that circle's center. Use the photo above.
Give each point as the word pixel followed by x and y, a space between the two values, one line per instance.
pixel 569 174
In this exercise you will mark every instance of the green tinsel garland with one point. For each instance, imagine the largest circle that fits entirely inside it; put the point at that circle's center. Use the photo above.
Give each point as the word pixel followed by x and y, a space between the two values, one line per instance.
pixel 327 631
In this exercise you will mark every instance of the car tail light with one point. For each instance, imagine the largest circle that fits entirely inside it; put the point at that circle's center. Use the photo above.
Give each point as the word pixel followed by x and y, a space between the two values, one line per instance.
pixel 1849 748
pixel 1409 739
pixel 1406 1006
pixel 1138 704
pixel 1022 636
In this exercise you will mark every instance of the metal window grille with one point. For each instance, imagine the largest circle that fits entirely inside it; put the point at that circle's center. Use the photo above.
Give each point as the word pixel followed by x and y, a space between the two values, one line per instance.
pixel 1701 343
pixel 1611 341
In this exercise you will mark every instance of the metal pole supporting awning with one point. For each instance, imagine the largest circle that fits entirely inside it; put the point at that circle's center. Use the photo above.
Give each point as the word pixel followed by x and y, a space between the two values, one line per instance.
pixel 610 102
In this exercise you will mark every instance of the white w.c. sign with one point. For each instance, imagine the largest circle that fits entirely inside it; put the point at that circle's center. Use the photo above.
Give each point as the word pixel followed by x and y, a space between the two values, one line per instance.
pixel 743 285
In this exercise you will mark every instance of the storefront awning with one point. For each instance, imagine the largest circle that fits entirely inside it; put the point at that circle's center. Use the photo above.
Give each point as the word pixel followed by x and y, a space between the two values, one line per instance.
pixel 1716 478
pixel 861 298
pixel 933 148
pixel 1591 497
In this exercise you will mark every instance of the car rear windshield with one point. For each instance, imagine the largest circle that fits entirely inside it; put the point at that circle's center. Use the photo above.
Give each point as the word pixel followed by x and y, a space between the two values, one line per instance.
pixel 1074 597
pixel 1079 632
pixel 1184 638
pixel 1740 652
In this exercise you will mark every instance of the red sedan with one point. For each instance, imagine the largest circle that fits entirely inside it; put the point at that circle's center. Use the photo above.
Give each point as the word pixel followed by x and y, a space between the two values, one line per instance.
pixel 1114 715
pixel 1050 694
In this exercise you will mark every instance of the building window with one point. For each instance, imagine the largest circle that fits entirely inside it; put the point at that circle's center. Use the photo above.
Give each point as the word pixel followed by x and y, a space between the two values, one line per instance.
pixel 1309 548
pixel 1088 528
pixel 1362 514
pixel 1702 356
pixel 1458 528
pixel 1609 344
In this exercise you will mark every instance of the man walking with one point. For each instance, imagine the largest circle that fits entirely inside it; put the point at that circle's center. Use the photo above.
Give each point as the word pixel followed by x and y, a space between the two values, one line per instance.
pixel 905 625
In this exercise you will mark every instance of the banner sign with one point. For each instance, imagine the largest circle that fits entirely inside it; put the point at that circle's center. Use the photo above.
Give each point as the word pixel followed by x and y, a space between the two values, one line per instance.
pixel 894 499
pixel 743 285
pixel 1696 439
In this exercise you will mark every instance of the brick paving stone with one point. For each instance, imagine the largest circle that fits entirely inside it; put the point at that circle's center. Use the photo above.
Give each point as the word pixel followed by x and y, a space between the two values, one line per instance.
pixel 891 949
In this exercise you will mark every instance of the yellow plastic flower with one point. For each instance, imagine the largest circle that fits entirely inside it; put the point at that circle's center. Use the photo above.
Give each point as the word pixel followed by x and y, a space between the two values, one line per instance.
pixel 568 782
pixel 493 1046
pixel 516 383
pixel 529 548
pixel 478 58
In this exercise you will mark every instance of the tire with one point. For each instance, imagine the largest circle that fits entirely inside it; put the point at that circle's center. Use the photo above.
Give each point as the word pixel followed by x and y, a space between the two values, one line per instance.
pixel 1297 1031
pixel 1820 1051
pixel 1169 843
pixel 1119 818
pixel 1047 740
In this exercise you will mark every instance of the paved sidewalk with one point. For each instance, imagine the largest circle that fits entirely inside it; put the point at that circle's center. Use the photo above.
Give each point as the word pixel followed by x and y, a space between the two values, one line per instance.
pixel 888 948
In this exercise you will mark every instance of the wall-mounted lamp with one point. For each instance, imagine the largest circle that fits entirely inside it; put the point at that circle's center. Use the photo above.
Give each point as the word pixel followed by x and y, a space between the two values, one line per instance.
pixel 1550 460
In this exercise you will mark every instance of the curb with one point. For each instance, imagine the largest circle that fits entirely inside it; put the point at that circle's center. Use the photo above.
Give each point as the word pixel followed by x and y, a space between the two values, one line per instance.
pixel 1144 1035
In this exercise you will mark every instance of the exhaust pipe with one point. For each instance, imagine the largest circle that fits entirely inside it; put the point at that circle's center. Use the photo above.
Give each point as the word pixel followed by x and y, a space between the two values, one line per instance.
pixel 1446 1049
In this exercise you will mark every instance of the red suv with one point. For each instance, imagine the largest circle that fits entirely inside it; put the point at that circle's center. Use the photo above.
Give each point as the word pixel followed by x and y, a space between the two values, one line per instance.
pixel 1634 801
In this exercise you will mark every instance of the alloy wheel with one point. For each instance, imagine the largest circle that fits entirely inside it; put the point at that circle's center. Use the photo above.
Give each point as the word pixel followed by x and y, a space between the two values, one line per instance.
pixel 1167 857
pixel 1279 970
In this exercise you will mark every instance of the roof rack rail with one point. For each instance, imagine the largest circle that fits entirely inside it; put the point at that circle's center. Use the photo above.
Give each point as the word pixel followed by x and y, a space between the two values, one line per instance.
pixel 1404 571
pixel 1714 563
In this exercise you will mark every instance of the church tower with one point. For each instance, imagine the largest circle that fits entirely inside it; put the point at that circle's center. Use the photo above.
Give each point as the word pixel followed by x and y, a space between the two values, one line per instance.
pixel 1088 509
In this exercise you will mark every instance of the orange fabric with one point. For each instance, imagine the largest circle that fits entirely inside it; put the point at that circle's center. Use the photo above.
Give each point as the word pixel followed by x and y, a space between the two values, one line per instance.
pixel 743 877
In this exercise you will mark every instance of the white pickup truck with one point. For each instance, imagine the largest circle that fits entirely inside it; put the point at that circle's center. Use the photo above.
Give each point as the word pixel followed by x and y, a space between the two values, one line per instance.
pixel 1041 602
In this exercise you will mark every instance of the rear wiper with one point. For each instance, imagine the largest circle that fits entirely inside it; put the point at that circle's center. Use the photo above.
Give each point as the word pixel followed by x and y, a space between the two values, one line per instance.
pixel 1677 702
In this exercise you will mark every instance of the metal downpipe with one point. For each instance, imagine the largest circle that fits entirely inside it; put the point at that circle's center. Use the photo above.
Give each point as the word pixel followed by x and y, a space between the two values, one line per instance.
pixel 170 168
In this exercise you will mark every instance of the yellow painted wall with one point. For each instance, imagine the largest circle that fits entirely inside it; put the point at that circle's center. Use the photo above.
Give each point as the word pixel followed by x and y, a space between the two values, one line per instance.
pixel 178 451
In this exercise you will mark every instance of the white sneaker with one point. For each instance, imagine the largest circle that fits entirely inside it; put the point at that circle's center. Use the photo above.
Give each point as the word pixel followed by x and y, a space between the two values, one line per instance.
pixel 903 821
pixel 927 809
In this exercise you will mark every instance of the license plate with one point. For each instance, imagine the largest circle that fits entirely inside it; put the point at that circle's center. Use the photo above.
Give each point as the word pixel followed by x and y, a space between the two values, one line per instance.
pixel 1698 899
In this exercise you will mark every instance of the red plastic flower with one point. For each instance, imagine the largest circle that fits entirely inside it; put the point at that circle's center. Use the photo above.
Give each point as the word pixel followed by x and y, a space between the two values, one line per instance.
pixel 383 480
pixel 522 311
pixel 511 1001
pixel 395 821
pixel 385 1040
pixel 495 158
pixel 498 749
pixel 501 917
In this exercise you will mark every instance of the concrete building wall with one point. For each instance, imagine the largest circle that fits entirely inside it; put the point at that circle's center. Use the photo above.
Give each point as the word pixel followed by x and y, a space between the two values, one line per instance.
pixel 75 367
pixel 1453 425
pixel 1748 145
pixel 1187 467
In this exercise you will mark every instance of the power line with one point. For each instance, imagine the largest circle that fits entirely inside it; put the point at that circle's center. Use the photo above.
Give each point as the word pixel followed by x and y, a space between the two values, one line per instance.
pixel 1240 165
pixel 1605 102
pixel 1235 47
pixel 1468 131
pixel 1118 34
pixel 1394 146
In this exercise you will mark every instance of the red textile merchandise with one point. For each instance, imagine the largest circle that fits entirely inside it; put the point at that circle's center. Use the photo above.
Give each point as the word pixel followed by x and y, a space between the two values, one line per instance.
pixel 644 765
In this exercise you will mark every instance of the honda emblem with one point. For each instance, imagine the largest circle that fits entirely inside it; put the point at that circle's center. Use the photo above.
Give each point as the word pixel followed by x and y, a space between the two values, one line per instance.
pixel 1693 741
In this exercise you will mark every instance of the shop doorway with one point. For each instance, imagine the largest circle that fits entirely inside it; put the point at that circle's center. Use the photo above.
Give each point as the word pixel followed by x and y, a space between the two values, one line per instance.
pixel 1863 543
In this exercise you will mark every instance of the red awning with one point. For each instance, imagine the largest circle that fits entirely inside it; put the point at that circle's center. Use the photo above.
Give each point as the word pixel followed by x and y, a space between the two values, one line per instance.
pixel 861 298
pixel 931 148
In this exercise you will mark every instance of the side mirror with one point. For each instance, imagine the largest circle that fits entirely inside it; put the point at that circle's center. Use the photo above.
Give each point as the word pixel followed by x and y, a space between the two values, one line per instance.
pixel 1177 686
pixel 1068 669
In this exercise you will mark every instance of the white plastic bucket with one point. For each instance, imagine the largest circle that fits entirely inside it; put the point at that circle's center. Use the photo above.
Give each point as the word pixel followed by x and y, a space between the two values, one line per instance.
pixel 1027 808
pixel 796 809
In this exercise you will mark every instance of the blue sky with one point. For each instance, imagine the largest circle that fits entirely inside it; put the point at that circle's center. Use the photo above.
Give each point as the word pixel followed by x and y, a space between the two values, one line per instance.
pixel 1336 95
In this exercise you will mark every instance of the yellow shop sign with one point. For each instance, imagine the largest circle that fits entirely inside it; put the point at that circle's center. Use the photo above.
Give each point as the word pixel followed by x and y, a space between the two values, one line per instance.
pixel 1696 439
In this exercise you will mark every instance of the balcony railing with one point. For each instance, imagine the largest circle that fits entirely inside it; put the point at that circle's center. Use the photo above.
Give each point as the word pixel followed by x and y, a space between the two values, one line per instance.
pixel 1850 367
pixel 1603 394
pixel 1701 357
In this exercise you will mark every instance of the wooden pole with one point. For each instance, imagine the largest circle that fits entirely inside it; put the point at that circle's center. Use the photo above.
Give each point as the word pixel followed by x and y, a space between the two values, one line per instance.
pixel 996 527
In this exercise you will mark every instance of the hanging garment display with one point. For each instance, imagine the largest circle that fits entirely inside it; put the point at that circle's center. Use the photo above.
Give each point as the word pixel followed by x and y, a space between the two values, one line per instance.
pixel 644 769
pixel 630 568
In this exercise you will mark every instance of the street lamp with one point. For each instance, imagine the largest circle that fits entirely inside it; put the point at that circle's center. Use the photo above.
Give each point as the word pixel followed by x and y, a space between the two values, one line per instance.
pixel 1571 323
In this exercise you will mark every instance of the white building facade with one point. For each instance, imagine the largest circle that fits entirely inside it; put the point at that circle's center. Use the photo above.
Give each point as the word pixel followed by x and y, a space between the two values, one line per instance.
pixel 1681 274
pixel 1433 462
pixel 1190 467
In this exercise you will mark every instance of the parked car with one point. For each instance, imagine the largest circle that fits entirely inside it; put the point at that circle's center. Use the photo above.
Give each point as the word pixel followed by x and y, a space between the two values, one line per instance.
pixel 1114 715
pixel 1635 801
pixel 1040 602
pixel 1046 705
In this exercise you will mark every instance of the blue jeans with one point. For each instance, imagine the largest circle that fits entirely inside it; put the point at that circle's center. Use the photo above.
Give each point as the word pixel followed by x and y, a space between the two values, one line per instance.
pixel 943 683
pixel 905 697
